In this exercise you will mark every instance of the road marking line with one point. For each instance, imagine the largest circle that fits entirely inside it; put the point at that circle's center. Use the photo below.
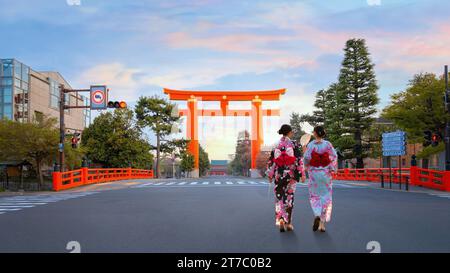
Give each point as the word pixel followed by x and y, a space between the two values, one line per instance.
pixel 205 183
pixel 12 204
pixel 240 182
pixel 182 183
pixel 251 182
pixel 217 183
pixel 9 209
pixel 229 183
pixel 171 183
pixel 194 183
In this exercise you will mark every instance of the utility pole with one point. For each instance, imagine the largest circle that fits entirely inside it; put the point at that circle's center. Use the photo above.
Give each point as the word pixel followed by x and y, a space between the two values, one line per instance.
pixel 447 124
pixel 62 127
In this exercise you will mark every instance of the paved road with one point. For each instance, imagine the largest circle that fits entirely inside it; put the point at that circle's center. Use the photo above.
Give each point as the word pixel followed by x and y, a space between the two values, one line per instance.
pixel 220 215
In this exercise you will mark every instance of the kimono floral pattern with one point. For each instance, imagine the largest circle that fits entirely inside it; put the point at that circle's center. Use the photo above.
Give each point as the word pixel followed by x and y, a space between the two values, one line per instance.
pixel 285 178
pixel 320 183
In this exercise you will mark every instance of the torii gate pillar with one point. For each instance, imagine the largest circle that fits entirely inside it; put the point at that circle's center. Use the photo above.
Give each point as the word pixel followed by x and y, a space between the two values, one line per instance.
pixel 256 135
pixel 224 97
pixel 192 134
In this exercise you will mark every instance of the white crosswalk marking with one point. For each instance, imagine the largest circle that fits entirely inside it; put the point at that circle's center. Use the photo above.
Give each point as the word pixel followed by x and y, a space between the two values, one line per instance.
pixel 17 203
pixel 182 183
pixel 252 182
pixel 241 182
pixel 14 206
pixel 20 203
pixel 171 183
pixel 205 183
pixel 229 183
pixel 194 183
pixel 443 195
pixel 217 183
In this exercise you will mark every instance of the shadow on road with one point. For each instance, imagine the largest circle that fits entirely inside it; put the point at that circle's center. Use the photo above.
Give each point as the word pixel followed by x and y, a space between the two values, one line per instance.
pixel 290 242
pixel 324 242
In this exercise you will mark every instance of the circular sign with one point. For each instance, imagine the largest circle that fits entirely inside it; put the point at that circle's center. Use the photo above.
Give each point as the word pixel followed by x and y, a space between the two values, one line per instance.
pixel 98 96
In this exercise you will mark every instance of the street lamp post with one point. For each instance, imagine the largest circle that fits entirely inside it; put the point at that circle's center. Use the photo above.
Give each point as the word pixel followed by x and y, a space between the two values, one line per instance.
pixel 447 124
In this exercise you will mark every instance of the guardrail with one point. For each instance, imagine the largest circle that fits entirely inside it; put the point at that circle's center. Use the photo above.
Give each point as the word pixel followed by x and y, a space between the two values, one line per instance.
pixel 438 180
pixel 85 176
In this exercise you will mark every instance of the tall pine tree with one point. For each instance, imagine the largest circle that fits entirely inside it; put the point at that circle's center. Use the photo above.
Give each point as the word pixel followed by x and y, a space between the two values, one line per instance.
pixel 296 123
pixel 318 116
pixel 357 95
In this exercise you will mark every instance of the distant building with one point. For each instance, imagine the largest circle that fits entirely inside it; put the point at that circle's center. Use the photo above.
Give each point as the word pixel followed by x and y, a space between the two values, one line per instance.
pixel 218 167
pixel 26 94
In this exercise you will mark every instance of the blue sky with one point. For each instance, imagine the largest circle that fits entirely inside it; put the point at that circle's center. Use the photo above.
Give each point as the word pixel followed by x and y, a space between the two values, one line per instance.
pixel 138 47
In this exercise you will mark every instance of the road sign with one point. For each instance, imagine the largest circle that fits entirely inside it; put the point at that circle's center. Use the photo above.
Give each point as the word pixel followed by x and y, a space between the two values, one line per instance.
pixel 394 143
pixel 99 97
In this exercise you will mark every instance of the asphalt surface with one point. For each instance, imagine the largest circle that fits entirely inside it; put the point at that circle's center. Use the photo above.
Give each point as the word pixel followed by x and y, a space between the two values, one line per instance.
pixel 220 215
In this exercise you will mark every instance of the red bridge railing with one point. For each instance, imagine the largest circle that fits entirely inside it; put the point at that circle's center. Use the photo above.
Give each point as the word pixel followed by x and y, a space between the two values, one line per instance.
pixel 85 176
pixel 438 180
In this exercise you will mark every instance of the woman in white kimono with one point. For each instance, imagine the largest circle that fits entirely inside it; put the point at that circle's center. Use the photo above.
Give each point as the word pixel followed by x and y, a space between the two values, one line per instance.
pixel 320 161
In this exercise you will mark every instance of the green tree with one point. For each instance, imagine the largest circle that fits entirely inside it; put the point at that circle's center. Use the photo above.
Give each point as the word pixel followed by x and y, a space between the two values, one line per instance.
pixel 357 95
pixel 241 163
pixel 203 159
pixel 35 142
pixel 114 140
pixel 187 163
pixel 419 108
pixel 296 124
pixel 319 115
pixel 158 114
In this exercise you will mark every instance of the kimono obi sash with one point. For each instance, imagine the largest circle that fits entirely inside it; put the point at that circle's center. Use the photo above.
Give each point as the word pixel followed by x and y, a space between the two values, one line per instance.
pixel 319 160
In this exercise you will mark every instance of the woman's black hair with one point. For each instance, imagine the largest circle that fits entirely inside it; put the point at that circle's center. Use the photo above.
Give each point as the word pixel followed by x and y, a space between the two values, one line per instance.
pixel 285 129
pixel 320 131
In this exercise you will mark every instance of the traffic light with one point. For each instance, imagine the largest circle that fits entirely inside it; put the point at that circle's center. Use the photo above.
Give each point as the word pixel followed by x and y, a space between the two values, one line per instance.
pixel 75 140
pixel 427 138
pixel 435 139
pixel 117 104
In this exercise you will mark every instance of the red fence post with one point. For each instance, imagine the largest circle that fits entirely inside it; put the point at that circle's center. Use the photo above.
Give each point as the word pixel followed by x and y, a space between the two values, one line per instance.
pixel 130 176
pixel 84 175
pixel 413 175
pixel 346 173
pixel 446 180
pixel 57 181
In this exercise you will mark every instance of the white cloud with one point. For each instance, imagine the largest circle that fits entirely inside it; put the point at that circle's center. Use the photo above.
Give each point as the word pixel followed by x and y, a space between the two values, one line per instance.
pixel 373 2
pixel 122 81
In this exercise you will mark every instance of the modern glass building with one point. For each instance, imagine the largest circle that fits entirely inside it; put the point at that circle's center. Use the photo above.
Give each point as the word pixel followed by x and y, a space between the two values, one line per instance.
pixel 26 94
pixel 14 90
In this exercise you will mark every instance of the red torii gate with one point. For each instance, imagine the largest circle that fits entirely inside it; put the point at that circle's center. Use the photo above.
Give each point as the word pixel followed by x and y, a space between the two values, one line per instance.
pixel 256 113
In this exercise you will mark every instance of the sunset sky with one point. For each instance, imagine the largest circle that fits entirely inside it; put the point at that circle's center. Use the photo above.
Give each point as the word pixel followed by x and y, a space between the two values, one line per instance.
pixel 139 47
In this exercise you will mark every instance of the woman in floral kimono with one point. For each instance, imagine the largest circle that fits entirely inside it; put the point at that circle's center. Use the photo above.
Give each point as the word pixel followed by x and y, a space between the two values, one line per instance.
pixel 286 167
pixel 320 161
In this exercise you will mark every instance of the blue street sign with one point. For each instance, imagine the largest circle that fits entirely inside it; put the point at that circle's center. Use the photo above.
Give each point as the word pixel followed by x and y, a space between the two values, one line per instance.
pixel 99 97
pixel 394 143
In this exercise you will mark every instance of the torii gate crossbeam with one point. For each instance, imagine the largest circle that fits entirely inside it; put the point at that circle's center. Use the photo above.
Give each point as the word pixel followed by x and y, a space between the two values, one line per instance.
pixel 224 97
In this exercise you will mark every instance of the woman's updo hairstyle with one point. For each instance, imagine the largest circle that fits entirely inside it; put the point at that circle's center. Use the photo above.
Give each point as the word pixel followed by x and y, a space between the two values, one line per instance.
pixel 285 129
pixel 320 131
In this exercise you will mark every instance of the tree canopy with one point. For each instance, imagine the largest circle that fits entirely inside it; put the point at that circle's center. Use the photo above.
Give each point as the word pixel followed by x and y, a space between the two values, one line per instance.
pixel 160 116
pixel 419 108
pixel 114 140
